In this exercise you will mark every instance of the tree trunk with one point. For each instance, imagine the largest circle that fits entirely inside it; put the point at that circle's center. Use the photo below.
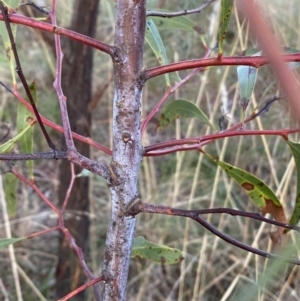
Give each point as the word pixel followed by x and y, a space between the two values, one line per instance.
pixel 77 86
pixel 127 148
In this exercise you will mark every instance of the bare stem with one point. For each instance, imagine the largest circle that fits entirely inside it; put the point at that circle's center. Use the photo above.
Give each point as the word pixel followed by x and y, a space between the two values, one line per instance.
pixel 185 12
pixel 57 84
pixel 29 22
pixel 139 207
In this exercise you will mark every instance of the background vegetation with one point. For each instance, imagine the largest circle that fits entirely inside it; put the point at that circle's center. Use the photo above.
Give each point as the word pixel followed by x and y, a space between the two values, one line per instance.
pixel 212 269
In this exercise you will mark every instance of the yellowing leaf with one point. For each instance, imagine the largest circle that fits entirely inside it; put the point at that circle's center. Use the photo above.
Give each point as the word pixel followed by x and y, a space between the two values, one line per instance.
pixel 157 253
pixel 181 109
pixel 262 196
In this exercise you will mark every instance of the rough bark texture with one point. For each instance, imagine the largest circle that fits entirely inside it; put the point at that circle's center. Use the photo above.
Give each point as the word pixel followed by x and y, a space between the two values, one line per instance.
pixel 77 85
pixel 127 148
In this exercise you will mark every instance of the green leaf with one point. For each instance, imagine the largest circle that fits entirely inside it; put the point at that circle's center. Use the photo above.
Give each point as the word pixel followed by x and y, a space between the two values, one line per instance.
pixel 155 42
pixel 157 253
pixel 258 191
pixel 226 9
pixel 6 41
pixel 180 22
pixel 295 148
pixel 84 173
pixel 7 146
pixel 24 117
pixel 10 190
pixel 247 76
pixel 4 242
pixel 182 109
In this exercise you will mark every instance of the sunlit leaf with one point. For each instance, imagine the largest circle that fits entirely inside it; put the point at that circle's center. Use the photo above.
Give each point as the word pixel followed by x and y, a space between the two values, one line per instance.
pixel 226 9
pixel 10 190
pixel 25 117
pixel 157 253
pixel 295 148
pixel 6 41
pixel 5 242
pixel 155 42
pixel 181 109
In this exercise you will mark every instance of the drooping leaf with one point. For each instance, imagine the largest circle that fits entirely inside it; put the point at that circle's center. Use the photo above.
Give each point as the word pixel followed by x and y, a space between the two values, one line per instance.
pixel 10 190
pixel 261 195
pixel 25 117
pixel 226 9
pixel 295 148
pixel 5 242
pixel 182 109
pixel 5 38
pixel 157 253
pixel 155 42
pixel 7 146
pixel 247 76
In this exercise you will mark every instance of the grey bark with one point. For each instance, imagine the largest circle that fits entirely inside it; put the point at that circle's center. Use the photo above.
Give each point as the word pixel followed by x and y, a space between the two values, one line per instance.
pixel 127 147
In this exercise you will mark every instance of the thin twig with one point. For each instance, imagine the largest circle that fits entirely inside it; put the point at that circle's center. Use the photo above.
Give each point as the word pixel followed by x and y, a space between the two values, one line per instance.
pixel 185 12
pixel 192 143
pixel 59 128
pixel 34 156
pixel 82 288
pixel 254 61
pixel 267 106
pixel 37 7
pixel 57 84
pixel 64 230
pixel 21 75
pixel 139 207
pixel 36 24
pixel 68 193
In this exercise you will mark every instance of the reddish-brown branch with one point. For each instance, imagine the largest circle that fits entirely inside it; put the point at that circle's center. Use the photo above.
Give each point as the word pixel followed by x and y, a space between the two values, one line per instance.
pixel 57 84
pixel 254 61
pixel 60 128
pixel 168 92
pixel 19 19
pixel 82 288
pixel 196 142
pixel 62 228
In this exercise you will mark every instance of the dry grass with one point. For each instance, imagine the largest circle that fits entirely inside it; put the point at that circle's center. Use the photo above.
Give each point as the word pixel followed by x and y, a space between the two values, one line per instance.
pixel 212 269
